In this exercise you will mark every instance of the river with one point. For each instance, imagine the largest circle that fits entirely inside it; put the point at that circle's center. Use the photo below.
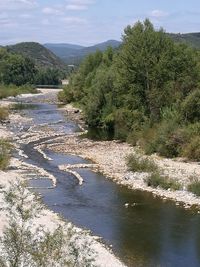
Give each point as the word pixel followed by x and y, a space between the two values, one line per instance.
pixel 150 232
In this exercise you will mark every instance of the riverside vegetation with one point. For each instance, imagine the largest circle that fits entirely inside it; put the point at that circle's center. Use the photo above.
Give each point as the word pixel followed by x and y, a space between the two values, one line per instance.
pixel 147 92
pixel 26 244
pixel 18 70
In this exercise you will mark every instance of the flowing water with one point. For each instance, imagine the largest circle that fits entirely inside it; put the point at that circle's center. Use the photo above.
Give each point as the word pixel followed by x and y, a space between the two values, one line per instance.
pixel 150 232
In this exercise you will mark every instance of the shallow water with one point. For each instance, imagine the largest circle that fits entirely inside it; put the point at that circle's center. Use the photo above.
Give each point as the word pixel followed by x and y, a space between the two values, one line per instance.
pixel 150 232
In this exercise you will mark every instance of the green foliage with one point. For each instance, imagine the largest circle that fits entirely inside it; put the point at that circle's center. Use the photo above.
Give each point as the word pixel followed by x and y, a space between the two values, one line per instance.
pixel 192 39
pixel 19 69
pixel 167 140
pixel 137 163
pixel 192 149
pixel 156 179
pixel 16 69
pixel 26 244
pixel 47 76
pixel 146 92
pixel 191 107
pixel 3 113
pixel 42 57
pixel 13 90
pixel 5 150
pixel 194 186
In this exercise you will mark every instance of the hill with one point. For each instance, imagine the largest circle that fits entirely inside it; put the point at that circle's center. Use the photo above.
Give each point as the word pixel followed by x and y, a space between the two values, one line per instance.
pixel 192 39
pixel 42 56
pixel 73 54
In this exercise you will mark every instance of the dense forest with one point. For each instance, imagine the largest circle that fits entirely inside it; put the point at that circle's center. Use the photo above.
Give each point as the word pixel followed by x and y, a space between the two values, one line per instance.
pixel 146 92
pixel 19 70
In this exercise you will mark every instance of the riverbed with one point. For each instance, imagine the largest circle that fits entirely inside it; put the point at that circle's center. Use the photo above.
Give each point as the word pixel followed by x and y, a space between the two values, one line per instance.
pixel 148 231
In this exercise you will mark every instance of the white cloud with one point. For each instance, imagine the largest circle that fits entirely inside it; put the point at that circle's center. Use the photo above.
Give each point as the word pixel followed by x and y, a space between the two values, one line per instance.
pixel 52 11
pixel 78 4
pixel 158 13
pixel 17 4
pixel 73 20
pixel 26 16
pixel 76 7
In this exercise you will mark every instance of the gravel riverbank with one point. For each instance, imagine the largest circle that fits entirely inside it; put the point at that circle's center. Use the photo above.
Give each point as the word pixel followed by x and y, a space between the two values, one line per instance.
pixel 19 170
pixel 110 158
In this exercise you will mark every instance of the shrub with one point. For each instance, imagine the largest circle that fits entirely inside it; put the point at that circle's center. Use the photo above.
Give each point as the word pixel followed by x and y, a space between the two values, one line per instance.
pixel 167 139
pixel 13 90
pixel 191 107
pixel 26 244
pixel 3 113
pixel 136 163
pixel 5 148
pixel 192 149
pixel 194 186
pixel 156 179
pixel 66 95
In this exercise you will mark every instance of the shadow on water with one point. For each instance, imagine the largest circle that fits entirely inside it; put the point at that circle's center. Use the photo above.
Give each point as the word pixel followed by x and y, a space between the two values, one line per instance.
pixel 150 232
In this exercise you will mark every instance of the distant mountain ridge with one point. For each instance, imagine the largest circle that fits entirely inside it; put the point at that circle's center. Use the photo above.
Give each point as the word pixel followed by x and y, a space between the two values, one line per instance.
pixel 42 56
pixel 57 55
pixel 192 39
pixel 73 54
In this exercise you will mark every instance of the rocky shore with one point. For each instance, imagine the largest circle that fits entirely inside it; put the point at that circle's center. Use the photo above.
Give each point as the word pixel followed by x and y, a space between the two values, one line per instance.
pixel 110 159
pixel 18 170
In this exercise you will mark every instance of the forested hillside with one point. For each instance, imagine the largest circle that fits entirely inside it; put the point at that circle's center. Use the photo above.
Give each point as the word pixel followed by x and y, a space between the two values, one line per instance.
pixel 18 70
pixel 147 92
pixel 42 56
pixel 192 39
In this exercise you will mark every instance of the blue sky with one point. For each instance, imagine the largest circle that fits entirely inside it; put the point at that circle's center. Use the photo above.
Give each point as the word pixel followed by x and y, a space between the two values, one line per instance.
pixel 88 22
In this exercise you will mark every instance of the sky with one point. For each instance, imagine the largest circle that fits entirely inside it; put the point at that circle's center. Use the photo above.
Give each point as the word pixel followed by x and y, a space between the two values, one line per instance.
pixel 87 22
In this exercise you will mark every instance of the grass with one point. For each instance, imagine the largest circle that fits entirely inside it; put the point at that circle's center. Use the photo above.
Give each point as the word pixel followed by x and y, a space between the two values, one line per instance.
pixel 136 163
pixel 12 90
pixel 5 149
pixel 194 186
pixel 3 113
pixel 156 179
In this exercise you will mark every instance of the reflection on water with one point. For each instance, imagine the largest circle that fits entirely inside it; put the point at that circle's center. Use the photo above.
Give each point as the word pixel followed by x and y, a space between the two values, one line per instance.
pixel 149 233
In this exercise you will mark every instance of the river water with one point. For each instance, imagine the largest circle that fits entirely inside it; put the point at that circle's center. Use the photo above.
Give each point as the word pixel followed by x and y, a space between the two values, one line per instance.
pixel 150 232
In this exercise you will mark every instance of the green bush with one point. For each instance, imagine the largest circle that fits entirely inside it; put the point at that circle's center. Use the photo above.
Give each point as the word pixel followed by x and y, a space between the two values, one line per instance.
pixel 191 107
pixel 66 95
pixel 194 186
pixel 5 149
pixel 24 243
pixel 156 179
pixel 167 139
pixel 3 113
pixel 13 90
pixel 136 163
pixel 192 149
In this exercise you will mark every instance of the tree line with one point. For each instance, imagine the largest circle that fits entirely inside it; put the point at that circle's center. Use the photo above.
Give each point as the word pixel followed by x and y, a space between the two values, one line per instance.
pixel 146 92
pixel 20 70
